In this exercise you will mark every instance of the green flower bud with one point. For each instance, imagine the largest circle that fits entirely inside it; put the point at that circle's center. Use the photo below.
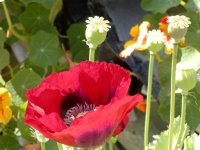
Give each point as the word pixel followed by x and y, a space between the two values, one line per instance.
pixel 186 79
pixel 178 26
pixel 155 40
pixel 96 31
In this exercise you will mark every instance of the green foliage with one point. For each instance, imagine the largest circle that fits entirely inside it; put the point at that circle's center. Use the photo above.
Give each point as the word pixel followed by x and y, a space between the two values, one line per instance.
pixel 44 49
pixel 159 6
pixel 35 18
pixel 161 141
pixel 190 56
pixel 4 58
pixel 24 80
pixel 76 34
pixel 193 33
pixel 8 143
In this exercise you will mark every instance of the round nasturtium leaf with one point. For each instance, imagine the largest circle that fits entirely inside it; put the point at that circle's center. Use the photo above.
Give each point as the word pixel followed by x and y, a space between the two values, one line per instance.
pixel 23 80
pixel 44 49
pixel 35 18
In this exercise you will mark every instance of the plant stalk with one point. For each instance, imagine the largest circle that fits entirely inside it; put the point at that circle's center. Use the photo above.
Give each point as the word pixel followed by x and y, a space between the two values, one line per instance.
pixel 172 100
pixel 148 108
pixel 183 115
pixel 92 54
pixel 110 145
pixel 21 37
pixel 42 145
pixel 59 146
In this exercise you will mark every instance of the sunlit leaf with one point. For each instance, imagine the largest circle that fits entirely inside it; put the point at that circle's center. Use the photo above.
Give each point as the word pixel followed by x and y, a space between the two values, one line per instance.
pixel 35 18
pixel 44 49
pixel 161 141
pixel 192 142
pixel 23 80
pixel 8 143
pixel 193 34
pixel 159 6
pixel 190 58
pixel 76 34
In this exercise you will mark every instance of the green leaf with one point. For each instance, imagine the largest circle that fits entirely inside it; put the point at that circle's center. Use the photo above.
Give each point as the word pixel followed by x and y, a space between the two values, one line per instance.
pixel 76 34
pixel 154 19
pixel 35 18
pixel 55 9
pixel 190 58
pixel 160 142
pixel 159 6
pixel 4 58
pixel 193 5
pixel 51 145
pixel 16 99
pixel 2 37
pixel 8 143
pixel 44 49
pixel 193 34
pixel 46 3
pixel 192 142
pixel 23 80
pixel 25 130
pixel 2 82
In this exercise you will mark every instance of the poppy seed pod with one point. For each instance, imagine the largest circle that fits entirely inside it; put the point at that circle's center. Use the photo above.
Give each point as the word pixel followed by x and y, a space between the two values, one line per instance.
pixel 94 37
pixel 178 26
pixel 96 31
pixel 155 40
pixel 186 79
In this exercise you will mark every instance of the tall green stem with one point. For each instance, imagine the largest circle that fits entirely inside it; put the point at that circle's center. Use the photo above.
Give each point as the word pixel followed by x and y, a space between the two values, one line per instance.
pixel 42 145
pixel 183 113
pixel 172 100
pixel 59 146
pixel 92 54
pixel 21 37
pixel 110 144
pixel 148 108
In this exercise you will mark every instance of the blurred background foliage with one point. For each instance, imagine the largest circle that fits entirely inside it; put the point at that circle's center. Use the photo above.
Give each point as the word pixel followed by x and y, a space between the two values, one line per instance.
pixel 47 33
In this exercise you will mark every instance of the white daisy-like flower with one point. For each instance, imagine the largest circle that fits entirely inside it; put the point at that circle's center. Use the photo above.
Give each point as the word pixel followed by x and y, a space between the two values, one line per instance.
pixel 98 23
pixel 179 21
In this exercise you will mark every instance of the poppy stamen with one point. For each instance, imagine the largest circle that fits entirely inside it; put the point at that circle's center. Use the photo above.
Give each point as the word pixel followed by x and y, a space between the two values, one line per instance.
pixel 77 111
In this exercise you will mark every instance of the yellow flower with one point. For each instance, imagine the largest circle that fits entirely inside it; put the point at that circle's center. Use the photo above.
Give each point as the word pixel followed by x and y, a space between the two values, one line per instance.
pixel 5 98
pixel 5 115
pixel 138 42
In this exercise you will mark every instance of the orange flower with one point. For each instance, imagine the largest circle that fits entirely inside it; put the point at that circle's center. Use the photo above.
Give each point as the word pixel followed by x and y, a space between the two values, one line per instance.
pixel 141 106
pixel 139 39
pixel 5 115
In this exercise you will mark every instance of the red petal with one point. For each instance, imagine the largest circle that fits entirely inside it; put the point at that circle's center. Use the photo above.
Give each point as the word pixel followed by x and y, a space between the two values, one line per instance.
pixel 100 81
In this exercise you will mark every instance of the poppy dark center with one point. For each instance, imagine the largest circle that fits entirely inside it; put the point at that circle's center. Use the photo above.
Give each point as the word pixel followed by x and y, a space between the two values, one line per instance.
pixel 77 111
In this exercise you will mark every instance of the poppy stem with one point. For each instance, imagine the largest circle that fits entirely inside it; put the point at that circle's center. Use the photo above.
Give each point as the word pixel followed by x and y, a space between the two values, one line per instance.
pixel 148 108
pixel 183 113
pixel 59 146
pixel 92 54
pixel 42 145
pixel 110 144
pixel 172 100
pixel 10 25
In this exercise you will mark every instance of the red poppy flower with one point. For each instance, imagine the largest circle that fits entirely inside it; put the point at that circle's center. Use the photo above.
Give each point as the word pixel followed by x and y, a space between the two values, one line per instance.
pixel 82 107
